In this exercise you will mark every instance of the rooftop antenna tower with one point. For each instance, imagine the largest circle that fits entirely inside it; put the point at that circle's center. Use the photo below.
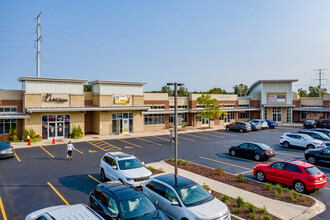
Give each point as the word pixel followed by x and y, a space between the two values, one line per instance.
pixel 38 44
pixel 320 74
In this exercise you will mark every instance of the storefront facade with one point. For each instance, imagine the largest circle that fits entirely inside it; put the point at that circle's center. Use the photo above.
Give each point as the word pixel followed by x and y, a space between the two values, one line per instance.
pixel 52 107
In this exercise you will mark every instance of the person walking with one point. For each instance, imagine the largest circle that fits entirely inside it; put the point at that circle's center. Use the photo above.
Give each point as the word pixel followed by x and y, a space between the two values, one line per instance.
pixel 69 150
pixel 172 137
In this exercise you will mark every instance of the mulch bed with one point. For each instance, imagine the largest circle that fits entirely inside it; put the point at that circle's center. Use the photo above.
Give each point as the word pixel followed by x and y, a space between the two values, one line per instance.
pixel 249 185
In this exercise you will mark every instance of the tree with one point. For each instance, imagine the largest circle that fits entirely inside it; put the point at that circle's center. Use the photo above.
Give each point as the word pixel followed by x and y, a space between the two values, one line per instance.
pixel 166 89
pixel 215 91
pixel 302 93
pixel 315 91
pixel 88 88
pixel 182 91
pixel 240 89
pixel 210 110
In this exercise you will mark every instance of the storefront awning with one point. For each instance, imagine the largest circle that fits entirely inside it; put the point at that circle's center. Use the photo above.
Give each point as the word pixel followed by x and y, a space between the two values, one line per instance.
pixel 86 109
pixel 312 109
pixel 279 105
pixel 14 116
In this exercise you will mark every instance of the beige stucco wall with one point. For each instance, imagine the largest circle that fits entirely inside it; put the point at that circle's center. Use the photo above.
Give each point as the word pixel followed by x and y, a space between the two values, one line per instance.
pixel 181 100
pixel 270 113
pixel 155 96
pixel 32 100
pixel 243 101
pixel 105 123
pixel 138 100
pixel 138 122
pixel 96 122
pixel 102 100
pixel 284 115
pixel 11 95
pixel 154 127
pixel 311 101
pixel 76 118
pixel 295 96
pixel 216 96
pixel 55 104
pixel 77 100
pixel 88 95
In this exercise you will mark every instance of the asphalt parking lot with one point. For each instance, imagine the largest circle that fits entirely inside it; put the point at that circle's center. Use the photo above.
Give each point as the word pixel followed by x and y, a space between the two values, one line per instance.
pixel 42 176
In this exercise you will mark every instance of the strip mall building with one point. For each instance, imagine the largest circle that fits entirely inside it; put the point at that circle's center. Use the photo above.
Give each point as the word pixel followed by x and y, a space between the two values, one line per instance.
pixel 53 106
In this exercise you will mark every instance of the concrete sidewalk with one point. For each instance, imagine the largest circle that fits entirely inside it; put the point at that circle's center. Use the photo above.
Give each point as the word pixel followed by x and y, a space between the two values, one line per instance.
pixel 277 208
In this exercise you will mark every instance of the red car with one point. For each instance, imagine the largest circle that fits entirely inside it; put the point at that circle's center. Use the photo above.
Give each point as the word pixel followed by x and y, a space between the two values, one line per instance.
pixel 299 174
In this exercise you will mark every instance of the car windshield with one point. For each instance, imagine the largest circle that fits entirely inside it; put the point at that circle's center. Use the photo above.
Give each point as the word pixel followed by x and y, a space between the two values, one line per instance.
pixel 308 137
pixel 252 123
pixel 264 146
pixel 313 170
pixel 326 132
pixel 136 207
pixel 194 195
pixel 322 135
pixel 309 121
pixel 129 164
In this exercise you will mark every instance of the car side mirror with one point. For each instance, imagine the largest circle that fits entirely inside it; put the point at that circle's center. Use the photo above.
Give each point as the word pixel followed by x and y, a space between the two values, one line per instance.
pixel 156 202
pixel 142 163
pixel 114 167
pixel 210 191
pixel 174 203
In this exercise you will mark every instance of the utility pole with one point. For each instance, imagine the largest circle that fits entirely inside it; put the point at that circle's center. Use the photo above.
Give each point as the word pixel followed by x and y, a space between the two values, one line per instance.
pixel 38 44
pixel 175 123
pixel 320 79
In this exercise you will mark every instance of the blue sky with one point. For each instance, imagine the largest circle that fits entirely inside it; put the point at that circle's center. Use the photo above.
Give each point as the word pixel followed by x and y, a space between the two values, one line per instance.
pixel 201 43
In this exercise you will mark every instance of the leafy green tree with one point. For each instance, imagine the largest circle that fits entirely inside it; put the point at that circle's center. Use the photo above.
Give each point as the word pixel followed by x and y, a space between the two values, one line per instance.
pixel 315 91
pixel 302 92
pixel 210 110
pixel 182 91
pixel 88 88
pixel 215 91
pixel 240 89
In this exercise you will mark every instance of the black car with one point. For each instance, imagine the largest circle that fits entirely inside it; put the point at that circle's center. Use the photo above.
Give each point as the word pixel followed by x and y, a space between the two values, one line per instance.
pixel 312 124
pixel 239 126
pixel 314 156
pixel 257 151
pixel 6 150
pixel 325 124
pixel 315 135
pixel 117 200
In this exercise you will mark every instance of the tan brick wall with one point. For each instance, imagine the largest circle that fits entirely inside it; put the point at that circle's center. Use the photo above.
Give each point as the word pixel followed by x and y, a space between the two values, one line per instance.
pixel 77 118
pixel 154 127
pixel 105 123
pixel 77 100
pixel 138 123
pixel 32 100
pixel 96 122
pixel 284 115
pixel 270 113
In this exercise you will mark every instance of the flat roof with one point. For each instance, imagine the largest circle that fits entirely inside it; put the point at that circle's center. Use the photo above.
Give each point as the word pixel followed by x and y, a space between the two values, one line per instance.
pixel 85 109
pixel 116 82
pixel 44 79
pixel 269 81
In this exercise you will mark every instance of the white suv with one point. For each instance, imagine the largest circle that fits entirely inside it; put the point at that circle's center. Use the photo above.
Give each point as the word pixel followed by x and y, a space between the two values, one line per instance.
pixel 123 167
pixel 299 140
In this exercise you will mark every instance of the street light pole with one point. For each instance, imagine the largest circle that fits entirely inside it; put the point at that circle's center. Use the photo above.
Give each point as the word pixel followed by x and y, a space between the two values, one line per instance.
pixel 175 123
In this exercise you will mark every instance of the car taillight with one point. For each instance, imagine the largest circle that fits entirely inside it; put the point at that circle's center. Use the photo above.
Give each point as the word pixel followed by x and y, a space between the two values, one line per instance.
pixel 312 178
pixel 328 123
pixel 266 152
pixel 281 137
pixel 244 126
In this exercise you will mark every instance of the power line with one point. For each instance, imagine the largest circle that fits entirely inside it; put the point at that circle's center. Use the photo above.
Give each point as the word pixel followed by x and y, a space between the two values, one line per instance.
pixel 320 74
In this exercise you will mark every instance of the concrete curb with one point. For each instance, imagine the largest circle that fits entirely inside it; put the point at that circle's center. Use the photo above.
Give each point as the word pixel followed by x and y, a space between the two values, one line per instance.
pixel 277 208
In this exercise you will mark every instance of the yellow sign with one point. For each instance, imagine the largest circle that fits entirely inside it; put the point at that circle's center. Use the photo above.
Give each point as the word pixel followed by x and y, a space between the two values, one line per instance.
pixel 121 99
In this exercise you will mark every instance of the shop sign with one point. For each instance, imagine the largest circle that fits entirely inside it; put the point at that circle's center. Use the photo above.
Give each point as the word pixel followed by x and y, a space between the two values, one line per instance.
pixel 49 98
pixel 125 126
pixel 276 98
pixel 121 99
pixel 180 121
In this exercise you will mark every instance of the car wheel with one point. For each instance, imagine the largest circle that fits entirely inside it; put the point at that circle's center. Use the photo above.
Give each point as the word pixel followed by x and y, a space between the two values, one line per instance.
pixel 227 128
pixel 299 187
pixel 241 130
pixel 257 157
pixel 310 146
pixel 103 177
pixel 260 176
pixel 286 144
pixel 233 153
pixel 312 160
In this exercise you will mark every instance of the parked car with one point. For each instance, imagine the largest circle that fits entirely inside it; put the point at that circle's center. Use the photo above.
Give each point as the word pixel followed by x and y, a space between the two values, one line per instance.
pixel 123 167
pixel 254 126
pixel 6 150
pixel 117 200
pixel 271 124
pixel 299 140
pixel 314 156
pixel 312 124
pixel 257 151
pixel 78 211
pixel 300 175
pixel 315 134
pixel 181 198
pixel 239 126
pixel 322 130
pixel 261 122
pixel 325 124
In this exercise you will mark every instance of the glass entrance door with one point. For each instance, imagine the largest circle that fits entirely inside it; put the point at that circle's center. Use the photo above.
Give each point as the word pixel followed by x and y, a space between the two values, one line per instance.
pixel 277 114
pixel 60 130
pixel 57 126
pixel 205 121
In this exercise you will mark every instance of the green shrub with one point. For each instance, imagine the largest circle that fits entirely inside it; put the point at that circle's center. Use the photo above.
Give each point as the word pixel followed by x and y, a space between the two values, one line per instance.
pixel 151 169
pixel 279 188
pixel 252 215
pixel 266 217
pixel 224 198
pixel 292 198
pixel 239 201
pixel 250 207
pixel 277 194
pixel 240 178
pixel 32 133
pixel 171 160
pixel 15 139
pixel 269 186
pixel 303 197
pixel 25 134
pixel 76 132
pixel 263 210
pixel 219 171
pixel 237 211
pixel 206 187
pixel 294 193
pixel 184 162
pixel 286 189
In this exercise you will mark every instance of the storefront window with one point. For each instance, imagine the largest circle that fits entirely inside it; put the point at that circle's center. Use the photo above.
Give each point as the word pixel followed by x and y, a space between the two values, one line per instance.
pixel 6 125
pixel 244 115
pixel 117 122
pixel 154 119
pixel 55 126
pixel 289 112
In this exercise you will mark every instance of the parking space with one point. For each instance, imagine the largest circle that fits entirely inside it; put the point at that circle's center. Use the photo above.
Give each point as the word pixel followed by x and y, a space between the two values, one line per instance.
pixel 42 176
